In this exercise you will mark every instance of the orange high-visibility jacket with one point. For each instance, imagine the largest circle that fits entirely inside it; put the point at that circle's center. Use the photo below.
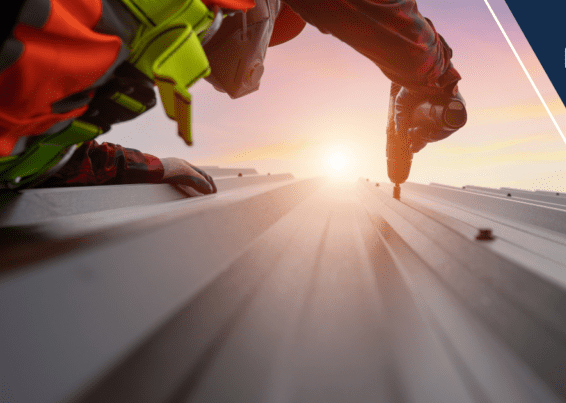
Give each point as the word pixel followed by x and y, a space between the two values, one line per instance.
pixel 61 51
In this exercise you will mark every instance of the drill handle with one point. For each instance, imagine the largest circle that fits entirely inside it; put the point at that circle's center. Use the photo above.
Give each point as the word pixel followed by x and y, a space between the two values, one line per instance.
pixel 399 155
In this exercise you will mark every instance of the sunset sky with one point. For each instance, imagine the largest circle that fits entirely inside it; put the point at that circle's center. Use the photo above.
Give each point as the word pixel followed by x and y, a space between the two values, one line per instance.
pixel 319 97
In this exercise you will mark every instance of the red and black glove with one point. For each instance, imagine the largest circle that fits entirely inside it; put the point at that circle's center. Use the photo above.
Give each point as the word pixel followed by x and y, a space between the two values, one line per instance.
pixel 405 104
pixel 180 172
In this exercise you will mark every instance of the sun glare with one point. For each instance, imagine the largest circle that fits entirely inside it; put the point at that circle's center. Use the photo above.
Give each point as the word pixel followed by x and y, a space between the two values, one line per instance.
pixel 337 161
pixel 339 165
pixel 341 161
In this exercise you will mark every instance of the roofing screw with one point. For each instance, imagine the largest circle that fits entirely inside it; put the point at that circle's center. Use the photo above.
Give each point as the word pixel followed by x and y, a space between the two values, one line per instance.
pixel 484 235
pixel 367 180
pixel 463 187
pixel 508 194
pixel 557 194
pixel 377 184
pixel 240 174
pixel 268 173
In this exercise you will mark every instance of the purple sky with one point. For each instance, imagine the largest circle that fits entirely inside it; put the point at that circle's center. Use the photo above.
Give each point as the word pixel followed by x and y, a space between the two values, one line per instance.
pixel 318 96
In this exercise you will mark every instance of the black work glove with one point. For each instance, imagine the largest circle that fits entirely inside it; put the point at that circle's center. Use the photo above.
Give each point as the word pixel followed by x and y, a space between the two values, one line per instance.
pixel 405 104
pixel 180 172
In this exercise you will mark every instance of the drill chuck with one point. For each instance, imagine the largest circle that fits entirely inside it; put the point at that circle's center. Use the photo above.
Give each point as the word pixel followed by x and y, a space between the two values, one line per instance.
pixel 455 115
pixel 441 119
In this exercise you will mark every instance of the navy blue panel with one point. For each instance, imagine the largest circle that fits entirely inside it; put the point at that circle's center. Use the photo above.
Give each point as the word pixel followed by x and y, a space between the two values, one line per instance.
pixel 543 24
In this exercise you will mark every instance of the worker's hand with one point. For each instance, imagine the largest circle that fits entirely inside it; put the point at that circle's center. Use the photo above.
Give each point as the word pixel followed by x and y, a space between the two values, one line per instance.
pixel 180 172
pixel 405 103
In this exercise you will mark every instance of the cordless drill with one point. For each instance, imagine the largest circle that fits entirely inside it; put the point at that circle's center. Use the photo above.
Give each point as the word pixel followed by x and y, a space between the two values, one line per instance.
pixel 446 116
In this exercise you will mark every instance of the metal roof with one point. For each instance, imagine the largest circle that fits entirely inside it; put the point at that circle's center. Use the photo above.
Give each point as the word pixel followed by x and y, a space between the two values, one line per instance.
pixel 278 289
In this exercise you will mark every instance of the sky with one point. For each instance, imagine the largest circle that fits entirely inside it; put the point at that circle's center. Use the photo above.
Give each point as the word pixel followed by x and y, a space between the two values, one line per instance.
pixel 318 97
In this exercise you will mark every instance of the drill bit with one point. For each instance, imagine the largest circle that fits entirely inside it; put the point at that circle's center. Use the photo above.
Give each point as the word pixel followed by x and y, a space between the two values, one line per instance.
pixel 397 192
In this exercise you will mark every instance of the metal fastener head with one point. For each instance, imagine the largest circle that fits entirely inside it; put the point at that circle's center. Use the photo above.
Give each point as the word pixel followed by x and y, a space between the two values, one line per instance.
pixel 484 234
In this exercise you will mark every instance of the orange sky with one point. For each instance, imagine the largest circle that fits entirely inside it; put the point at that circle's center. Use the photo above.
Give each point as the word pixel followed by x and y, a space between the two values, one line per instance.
pixel 317 96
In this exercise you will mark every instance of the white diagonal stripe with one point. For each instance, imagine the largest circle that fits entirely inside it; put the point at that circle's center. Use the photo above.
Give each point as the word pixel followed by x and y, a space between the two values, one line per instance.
pixel 526 72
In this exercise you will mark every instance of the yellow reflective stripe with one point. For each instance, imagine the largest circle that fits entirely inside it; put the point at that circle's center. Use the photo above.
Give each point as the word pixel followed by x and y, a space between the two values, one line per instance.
pixel 7 162
pixel 139 11
pixel 167 49
pixel 75 132
pixel 44 154
pixel 128 102
pixel 8 158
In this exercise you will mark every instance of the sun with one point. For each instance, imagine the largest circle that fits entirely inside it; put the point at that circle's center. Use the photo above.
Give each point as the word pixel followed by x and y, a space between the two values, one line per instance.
pixel 340 161
pixel 337 161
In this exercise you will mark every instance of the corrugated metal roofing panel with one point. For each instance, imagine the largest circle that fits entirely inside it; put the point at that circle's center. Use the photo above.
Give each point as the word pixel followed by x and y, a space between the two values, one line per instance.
pixel 291 290
pixel 32 206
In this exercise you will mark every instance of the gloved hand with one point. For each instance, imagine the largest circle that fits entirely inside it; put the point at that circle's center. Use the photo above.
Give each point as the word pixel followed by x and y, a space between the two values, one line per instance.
pixel 405 104
pixel 180 172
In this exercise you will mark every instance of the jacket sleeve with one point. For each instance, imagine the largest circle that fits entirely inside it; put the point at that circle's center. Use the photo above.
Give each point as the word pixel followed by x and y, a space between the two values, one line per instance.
pixel 62 60
pixel 107 164
pixel 56 56
pixel 393 34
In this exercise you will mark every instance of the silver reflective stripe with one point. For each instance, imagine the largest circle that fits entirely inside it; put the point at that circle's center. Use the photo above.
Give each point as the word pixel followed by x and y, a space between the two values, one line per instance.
pixel 20 146
pixel 10 53
pixel 35 13
pixel 214 27
pixel 117 20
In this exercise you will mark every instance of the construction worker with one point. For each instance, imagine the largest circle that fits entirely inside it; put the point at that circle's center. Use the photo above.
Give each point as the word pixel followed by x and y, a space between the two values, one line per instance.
pixel 69 69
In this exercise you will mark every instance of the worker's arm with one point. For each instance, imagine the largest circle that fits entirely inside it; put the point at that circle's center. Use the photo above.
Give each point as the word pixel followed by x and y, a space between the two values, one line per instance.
pixel 392 33
pixel 55 81
pixel 108 164
pixel 402 43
